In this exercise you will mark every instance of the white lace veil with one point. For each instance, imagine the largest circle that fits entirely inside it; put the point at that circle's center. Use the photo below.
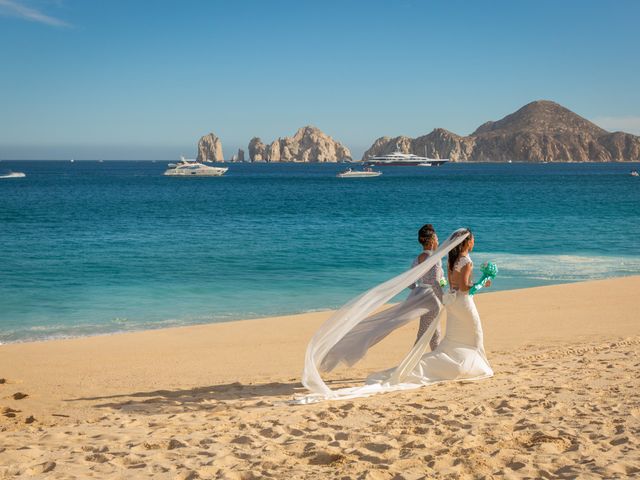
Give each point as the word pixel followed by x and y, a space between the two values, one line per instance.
pixel 347 335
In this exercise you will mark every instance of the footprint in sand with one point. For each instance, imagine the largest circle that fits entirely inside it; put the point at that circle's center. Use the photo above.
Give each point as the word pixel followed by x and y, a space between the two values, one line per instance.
pixel 96 458
pixel 41 468
pixel 341 436
pixel 242 440
pixel 366 457
pixel 92 449
pixel 516 465
pixel 327 458
pixel 619 441
pixel 133 461
pixel 274 432
pixel 9 412
pixel 378 447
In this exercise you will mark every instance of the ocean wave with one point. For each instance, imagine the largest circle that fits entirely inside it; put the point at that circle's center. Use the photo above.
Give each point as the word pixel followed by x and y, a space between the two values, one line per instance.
pixel 560 268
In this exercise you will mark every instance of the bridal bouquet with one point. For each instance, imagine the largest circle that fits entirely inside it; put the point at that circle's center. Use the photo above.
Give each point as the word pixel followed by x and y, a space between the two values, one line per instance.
pixel 489 271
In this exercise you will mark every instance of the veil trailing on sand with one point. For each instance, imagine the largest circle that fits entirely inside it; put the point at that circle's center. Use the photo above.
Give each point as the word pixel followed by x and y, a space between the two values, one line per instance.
pixel 347 335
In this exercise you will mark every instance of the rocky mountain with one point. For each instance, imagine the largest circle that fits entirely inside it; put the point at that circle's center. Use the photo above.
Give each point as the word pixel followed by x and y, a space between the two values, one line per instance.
pixel 541 131
pixel 309 144
pixel 210 149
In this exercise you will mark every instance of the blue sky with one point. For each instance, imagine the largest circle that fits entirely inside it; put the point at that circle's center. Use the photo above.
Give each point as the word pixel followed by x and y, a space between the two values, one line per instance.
pixel 145 79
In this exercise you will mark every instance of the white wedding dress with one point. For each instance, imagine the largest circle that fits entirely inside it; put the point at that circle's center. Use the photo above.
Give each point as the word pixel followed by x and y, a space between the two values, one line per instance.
pixel 460 355
pixel 352 330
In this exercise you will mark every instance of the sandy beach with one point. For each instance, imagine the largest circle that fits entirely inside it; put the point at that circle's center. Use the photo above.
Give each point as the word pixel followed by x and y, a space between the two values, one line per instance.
pixel 209 401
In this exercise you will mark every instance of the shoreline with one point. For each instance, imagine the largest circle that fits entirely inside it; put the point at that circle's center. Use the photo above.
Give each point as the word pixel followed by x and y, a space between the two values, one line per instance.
pixel 209 401
pixel 249 319
pixel 497 310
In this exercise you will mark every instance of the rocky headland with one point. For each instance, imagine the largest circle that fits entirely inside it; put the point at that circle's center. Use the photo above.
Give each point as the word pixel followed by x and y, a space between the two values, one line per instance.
pixel 541 131
pixel 308 145
pixel 210 149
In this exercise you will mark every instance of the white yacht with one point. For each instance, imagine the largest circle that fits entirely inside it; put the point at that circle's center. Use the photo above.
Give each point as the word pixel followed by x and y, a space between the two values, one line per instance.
pixel 188 168
pixel 366 173
pixel 405 159
pixel 13 175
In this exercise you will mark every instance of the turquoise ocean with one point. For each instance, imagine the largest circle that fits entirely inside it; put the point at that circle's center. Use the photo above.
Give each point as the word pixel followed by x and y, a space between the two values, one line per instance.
pixel 92 248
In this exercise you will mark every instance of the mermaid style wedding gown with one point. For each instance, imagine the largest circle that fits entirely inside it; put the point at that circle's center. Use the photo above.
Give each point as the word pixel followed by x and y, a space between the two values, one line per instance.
pixel 352 330
pixel 460 355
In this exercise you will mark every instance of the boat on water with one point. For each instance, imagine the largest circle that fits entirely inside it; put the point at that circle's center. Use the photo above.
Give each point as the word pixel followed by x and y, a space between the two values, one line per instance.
pixel 634 173
pixel 13 175
pixel 405 160
pixel 189 168
pixel 366 173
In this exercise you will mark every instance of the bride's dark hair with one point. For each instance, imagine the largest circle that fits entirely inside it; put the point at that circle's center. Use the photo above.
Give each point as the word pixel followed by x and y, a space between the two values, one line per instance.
pixel 454 253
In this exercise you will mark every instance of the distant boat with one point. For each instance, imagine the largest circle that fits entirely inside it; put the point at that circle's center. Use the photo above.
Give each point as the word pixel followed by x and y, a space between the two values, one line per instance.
pixel 405 160
pixel 366 173
pixel 188 168
pixel 13 175
pixel 634 173
pixel 72 160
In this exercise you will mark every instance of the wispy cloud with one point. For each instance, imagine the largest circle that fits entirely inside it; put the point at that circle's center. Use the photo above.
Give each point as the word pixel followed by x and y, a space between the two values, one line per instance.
pixel 14 8
pixel 625 124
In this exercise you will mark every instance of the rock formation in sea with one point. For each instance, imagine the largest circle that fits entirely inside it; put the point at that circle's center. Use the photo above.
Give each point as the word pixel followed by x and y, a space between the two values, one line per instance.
pixel 309 144
pixel 541 131
pixel 240 156
pixel 210 149
pixel 257 150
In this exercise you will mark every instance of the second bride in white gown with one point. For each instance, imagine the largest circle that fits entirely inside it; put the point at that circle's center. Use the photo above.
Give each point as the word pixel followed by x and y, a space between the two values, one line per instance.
pixel 460 355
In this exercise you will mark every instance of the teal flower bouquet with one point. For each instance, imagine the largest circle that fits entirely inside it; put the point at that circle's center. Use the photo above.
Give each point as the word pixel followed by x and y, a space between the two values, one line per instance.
pixel 489 271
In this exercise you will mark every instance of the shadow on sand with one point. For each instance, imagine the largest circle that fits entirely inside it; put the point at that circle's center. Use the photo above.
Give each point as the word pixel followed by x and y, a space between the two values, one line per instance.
pixel 213 398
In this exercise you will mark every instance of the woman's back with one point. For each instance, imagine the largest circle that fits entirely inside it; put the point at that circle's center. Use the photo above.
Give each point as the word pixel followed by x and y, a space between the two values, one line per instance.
pixel 455 273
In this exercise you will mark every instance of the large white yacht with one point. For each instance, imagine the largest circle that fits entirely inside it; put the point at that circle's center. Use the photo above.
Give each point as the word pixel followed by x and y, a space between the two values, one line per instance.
pixel 405 159
pixel 188 168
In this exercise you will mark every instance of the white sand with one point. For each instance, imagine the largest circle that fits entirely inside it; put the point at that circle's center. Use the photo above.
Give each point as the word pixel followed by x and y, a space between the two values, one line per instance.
pixel 207 401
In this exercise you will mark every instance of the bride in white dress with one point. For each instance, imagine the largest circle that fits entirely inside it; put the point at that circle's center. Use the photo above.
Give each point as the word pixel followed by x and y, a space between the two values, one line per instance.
pixel 352 330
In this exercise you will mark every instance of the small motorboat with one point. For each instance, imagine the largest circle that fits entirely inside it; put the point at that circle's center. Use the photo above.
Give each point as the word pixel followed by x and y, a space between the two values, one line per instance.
pixel 13 175
pixel 634 173
pixel 366 173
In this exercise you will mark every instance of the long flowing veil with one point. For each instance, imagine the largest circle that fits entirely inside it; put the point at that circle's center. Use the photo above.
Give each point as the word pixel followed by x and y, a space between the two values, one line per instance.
pixel 347 335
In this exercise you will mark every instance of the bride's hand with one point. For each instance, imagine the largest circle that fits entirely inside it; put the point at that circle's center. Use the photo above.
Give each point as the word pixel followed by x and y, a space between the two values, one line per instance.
pixel 488 283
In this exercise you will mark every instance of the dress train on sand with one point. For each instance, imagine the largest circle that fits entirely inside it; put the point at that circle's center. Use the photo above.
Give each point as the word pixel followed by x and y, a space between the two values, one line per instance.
pixel 352 330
